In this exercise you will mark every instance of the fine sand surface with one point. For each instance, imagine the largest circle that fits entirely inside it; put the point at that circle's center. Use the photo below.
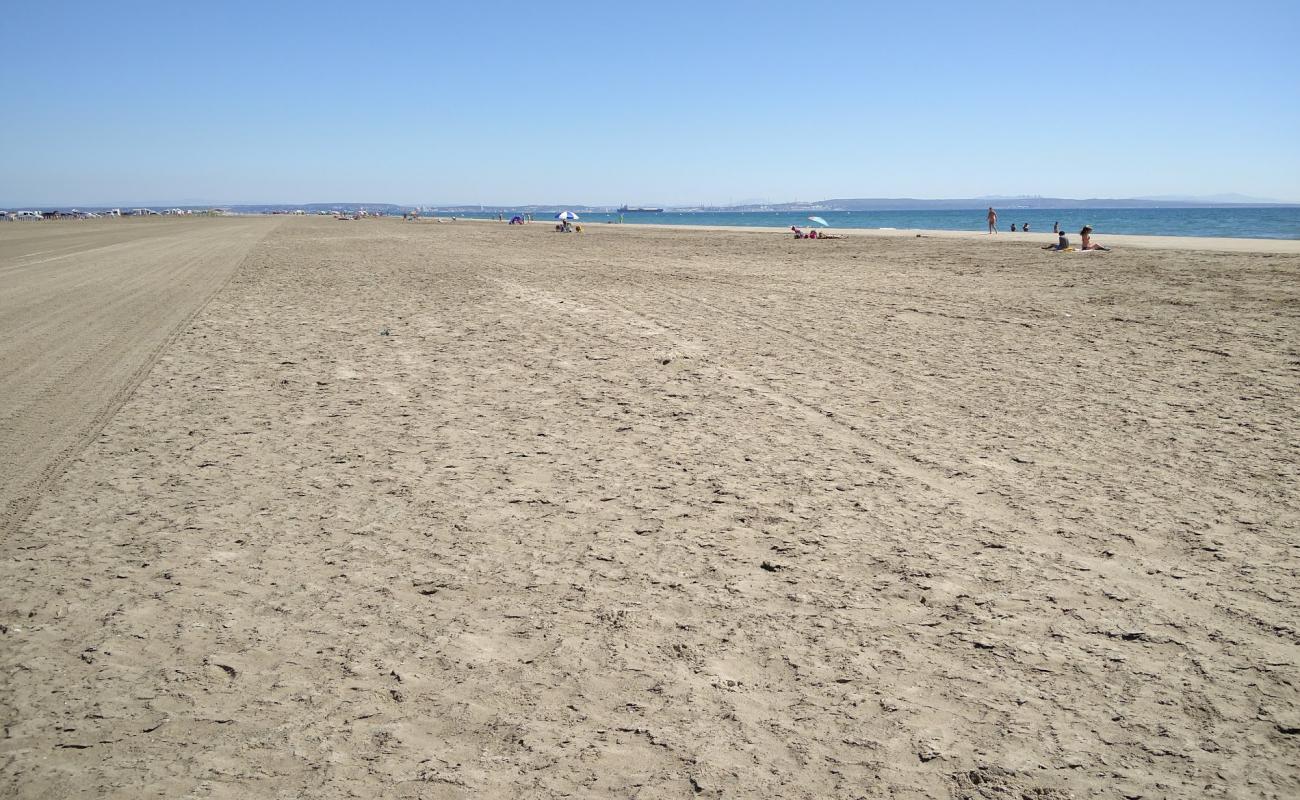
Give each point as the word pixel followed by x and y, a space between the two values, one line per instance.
pixel 84 309
pixel 447 510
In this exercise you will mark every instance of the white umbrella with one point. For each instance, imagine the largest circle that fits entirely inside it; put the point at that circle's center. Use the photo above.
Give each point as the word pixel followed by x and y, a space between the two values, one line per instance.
pixel 819 221
pixel 566 215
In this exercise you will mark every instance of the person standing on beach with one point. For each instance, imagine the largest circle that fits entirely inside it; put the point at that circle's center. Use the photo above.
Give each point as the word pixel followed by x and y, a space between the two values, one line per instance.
pixel 993 220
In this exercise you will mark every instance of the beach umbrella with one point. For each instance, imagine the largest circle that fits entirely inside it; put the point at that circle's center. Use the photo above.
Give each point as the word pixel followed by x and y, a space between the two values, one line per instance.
pixel 566 215
pixel 819 221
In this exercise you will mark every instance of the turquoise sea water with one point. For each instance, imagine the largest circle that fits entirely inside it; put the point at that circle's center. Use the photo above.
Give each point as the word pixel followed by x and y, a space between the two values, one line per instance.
pixel 1250 223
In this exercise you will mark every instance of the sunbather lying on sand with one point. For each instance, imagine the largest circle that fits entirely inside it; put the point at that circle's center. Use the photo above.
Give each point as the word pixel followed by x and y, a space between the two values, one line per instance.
pixel 799 233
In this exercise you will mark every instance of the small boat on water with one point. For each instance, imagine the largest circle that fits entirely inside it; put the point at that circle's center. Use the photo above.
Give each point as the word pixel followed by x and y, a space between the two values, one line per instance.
pixel 632 209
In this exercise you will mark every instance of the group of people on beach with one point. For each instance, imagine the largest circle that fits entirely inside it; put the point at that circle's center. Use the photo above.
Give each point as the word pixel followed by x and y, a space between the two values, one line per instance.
pixel 812 233
pixel 1062 242
pixel 1085 241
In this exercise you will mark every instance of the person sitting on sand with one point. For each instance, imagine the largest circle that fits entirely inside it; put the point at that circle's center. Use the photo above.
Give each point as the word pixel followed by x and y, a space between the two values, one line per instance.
pixel 1063 243
pixel 1025 228
pixel 798 234
pixel 1085 240
pixel 1013 227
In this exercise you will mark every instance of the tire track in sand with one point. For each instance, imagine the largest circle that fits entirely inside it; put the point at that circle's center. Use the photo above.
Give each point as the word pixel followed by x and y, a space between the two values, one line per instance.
pixel 982 501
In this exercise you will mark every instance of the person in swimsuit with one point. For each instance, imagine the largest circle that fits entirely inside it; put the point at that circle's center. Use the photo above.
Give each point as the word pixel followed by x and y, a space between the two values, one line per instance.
pixel 1085 240
pixel 993 220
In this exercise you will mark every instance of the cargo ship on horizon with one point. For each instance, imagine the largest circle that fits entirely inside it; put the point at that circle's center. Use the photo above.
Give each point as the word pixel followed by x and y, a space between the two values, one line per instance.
pixel 632 209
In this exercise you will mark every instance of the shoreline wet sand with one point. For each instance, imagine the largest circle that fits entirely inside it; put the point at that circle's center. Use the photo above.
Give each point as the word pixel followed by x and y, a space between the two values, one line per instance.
pixel 1218 244
pixel 449 510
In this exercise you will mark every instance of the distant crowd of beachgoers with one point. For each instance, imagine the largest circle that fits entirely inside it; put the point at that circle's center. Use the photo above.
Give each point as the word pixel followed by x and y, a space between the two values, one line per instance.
pixel 1063 241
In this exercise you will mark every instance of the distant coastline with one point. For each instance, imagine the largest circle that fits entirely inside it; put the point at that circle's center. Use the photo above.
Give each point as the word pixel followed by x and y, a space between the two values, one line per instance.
pixel 960 204
pixel 1241 221
pixel 839 204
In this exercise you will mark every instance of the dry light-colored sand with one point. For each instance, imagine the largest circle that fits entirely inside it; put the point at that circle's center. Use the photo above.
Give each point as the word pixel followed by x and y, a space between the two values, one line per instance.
pixel 84 309
pixel 421 510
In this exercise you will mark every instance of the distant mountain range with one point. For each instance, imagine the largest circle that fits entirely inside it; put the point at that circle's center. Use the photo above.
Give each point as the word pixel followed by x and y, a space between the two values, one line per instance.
pixel 1231 198
pixel 838 204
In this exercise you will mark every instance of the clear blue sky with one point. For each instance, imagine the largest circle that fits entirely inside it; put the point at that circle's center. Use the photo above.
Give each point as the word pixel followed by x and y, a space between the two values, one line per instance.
pixel 639 102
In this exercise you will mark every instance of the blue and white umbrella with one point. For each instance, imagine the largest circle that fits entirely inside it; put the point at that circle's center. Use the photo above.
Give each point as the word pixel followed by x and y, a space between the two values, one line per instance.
pixel 819 221
pixel 566 215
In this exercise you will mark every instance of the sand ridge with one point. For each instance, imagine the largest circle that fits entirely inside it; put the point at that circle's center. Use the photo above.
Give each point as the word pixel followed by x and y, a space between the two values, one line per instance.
pixel 467 510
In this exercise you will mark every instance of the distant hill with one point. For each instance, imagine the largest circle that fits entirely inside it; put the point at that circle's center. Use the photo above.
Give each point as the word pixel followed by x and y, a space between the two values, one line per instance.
pixel 391 208
pixel 837 204
pixel 267 208
pixel 1231 198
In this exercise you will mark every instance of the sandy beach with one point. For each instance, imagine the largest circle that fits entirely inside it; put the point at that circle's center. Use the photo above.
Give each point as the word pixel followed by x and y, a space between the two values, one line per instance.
pixel 84 311
pixel 385 509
